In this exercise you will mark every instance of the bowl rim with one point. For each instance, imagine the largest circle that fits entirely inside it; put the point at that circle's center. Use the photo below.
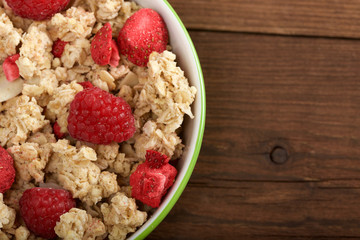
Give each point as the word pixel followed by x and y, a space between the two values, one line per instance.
pixel 198 142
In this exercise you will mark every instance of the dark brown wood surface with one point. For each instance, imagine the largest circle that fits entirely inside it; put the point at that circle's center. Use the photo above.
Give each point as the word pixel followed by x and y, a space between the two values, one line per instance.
pixel 281 152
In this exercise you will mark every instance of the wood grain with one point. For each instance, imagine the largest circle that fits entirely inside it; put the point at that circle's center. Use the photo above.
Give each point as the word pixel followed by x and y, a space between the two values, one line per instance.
pixel 332 18
pixel 301 94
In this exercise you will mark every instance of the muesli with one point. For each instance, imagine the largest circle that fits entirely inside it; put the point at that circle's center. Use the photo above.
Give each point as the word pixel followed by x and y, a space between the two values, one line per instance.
pixel 91 108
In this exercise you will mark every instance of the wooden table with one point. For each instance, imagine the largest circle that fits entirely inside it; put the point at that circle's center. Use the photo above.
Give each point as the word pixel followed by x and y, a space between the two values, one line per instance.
pixel 281 152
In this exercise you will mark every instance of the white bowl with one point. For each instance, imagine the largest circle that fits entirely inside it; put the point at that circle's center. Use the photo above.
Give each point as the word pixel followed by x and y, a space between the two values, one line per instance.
pixel 194 129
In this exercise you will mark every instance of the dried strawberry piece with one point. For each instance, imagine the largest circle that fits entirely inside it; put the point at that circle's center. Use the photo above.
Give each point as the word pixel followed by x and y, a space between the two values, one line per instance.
pixel 103 47
pixel 115 57
pixel 57 131
pixel 143 33
pixel 154 185
pixel 156 159
pixel 58 48
pixel 150 184
pixel 170 172
pixel 7 170
pixel 11 70
pixel 147 187
pixel 86 84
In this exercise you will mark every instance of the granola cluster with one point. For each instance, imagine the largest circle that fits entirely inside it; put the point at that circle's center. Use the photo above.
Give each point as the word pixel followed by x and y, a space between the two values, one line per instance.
pixel 97 175
pixel 9 36
pixel 77 224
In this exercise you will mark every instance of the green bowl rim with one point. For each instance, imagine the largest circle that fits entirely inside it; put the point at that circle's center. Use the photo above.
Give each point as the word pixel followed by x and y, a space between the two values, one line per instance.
pixel 200 135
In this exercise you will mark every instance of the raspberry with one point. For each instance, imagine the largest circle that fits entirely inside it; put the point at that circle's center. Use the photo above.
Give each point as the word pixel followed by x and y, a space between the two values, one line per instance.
pixel 99 117
pixel 143 33
pixel 151 179
pixel 7 170
pixel 41 208
pixel 37 9
pixel 58 48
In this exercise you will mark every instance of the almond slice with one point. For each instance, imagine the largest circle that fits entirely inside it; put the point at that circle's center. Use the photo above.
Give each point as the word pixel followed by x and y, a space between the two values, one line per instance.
pixel 8 89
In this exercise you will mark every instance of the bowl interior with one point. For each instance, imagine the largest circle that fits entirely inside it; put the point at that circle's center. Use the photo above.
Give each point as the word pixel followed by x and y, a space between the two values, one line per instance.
pixel 193 130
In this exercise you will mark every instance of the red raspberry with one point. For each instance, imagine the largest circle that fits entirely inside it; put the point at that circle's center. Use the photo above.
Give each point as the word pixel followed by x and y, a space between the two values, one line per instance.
pixel 37 9
pixel 58 48
pixel 7 170
pixel 99 117
pixel 143 33
pixel 41 208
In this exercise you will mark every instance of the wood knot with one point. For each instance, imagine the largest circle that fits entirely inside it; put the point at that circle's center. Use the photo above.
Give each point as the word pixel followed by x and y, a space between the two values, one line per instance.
pixel 278 155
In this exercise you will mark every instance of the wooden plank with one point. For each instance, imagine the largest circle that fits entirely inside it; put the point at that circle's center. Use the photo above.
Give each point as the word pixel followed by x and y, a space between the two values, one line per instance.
pixel 262 210
pixel 300 94
pixel 331 18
